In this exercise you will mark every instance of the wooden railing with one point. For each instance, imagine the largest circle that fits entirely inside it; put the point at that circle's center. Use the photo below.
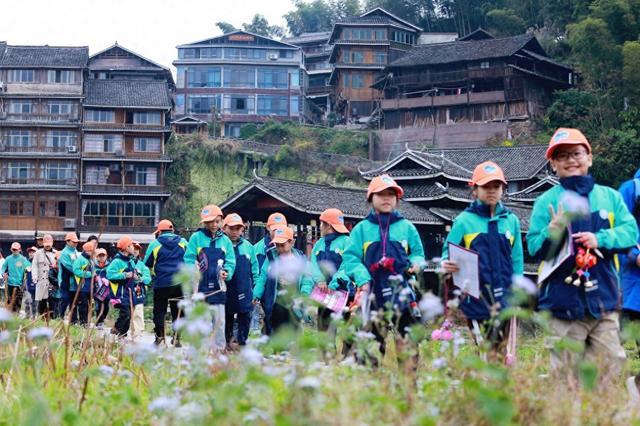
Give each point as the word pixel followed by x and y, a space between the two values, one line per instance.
pixel 147 189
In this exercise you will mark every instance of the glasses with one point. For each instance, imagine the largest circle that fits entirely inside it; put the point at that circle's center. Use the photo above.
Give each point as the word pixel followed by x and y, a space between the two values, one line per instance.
pixel 564 156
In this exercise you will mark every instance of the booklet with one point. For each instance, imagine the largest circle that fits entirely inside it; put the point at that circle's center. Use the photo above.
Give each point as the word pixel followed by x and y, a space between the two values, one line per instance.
pixel 548 267
pixel 467 278
pixel 336 300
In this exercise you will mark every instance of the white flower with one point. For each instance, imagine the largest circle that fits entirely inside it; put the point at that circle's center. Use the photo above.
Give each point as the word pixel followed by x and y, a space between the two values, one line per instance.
pixel 288 269
pixel 251 355
pixel 38 333
pixel 198 327
pixel 254 415
pixel 190 412
pixel 125 374
pixel 106 370
pixel 438 363
pixel 4 336
pixel 328 268
pixel 574 204
pixel 164 404
pixel 75 363
pixel 431 306
pixel 5 315
pixel 141 352
pixel 309 382
pixel 197 297
pixel 261 340
pixel 364 335
pixel 525 284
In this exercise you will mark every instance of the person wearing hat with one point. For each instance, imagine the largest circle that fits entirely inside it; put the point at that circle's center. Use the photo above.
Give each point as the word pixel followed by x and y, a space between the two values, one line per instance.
pixel 280 279
pixel 490 229
pixel 164 258
pixel 582 310
pixel 216 260
pixel 122 278
pixel 13 270
pixel 240 287
pixel 65 274
pixel 139 291
pixel 84 273
pixel 39 240
pixel 264 248
pixel 100 267
pixel 385 245
pixel 326 259
pixel 44 273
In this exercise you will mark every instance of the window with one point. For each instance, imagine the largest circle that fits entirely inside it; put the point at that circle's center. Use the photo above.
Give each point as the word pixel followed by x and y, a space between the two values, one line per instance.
pixel 203 104
pixel 61 139
pixel 51 208
pixel 403 37
pixel 60 108
pixel 357 81
pixel 203 77
pixel 186 53
pixel 59 173
pixel 179 104
pixel 147 117
pixel 20 107
pixel 272 78
pixel 238 104
pixel 232 130
pixel 380 57
pixel 96 175
pixel 19 138
pixel 22 76
pixel 484 64
pixel 118 213
pixel 210 52
pixel 294 106
pixel 361 34
pixel 239 77
pixel 286 54
pixel 243 53
pixel 61 76
pixel 357 57
pixel 102 143
pixel 141 175
pixel 181 72
pixel 345 80
pixel 100 116
pixel 272 105
pixel 146 144
pixel 18 172
pixel 20 208
pixel 380 34
pixel 317 81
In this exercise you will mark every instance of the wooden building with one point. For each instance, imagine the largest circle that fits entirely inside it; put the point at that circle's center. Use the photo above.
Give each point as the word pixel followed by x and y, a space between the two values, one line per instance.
pixel 239 78
pixel 41 88
pixel 362 48
pixel 476 79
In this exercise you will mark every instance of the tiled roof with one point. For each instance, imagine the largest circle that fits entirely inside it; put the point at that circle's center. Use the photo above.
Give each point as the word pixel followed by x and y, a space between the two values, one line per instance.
pixel 523 213
pixel 127 93
pixel 374 20
pixel 308 38
pixel 431 190
pixel 473 50
pixel 315 198
pixel 44 56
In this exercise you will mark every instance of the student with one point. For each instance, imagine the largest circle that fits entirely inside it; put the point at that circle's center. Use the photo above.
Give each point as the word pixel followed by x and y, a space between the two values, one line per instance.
pixel 216 260
pixel 240 286
pixel 326 259
pixel 84 274
pixel 139 291
pixel 286 269
pixel 121 275
pixel 584 313
pixel 164 258
pixel 65 273
pixel 383 245
pixel 13 270
pixel 630 263
pixel 45 276
pixel 492 231
pixel 264 248
pixel 102 306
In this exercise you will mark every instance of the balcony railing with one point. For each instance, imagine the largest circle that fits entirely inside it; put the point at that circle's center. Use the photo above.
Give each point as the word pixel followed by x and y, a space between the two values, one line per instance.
pixel 125 189
pixel 126 229
pixel 497 96
pixel 126 127
pixel 46 118
pixel 38 181
pixel 35 149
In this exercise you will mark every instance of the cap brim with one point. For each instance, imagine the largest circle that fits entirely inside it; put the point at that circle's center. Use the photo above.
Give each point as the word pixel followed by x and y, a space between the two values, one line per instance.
pixel 485 180
pixel 234 224
pixel 553 147
pixel 399 190
pixel 339 227
pixel 208 219
pixel 279 240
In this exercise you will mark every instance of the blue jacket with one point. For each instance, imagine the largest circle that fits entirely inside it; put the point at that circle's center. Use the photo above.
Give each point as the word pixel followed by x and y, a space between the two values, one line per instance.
pixel 211 249
pixel 498 242
pixel 329 250
pixel 119 266
pixel 83 272
pixel 240 286
pixel 630 273
pixel 164 257
pixel 616 232
pixel 263 249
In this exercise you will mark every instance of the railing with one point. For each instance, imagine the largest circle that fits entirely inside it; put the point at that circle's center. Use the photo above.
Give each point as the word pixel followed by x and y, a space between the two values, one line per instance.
pixel 147 189
pixel 126 126
pixel 36 149
pixel 100 227
pixel 497 96
pixel 49 118
pixel 127 155
pixel 318 89
pixel 36 181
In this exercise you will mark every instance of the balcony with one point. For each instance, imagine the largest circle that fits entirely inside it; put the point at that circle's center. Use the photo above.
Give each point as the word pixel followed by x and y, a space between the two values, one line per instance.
pixel 121 155
pixel 39 183
pixel 497 96
pixel 40 89
pixel 139 190
pixel 46 119
pixel 318 90
pixel 125 127
pixel 36 150
pixel 103 228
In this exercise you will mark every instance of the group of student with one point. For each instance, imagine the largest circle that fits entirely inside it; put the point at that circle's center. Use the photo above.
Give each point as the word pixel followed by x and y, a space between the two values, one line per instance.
pixel 377 261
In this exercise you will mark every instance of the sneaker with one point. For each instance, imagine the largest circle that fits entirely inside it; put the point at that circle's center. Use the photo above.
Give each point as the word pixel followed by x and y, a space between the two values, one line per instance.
pixel 176 342
pixel 159 341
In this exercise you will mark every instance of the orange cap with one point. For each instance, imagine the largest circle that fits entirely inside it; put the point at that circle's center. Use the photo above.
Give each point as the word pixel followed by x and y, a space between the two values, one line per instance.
pixel 233 219
pixel 136 245
pixel 335 218
pixel 564 136
pixel 124 242
pixel 47 239
pixel 282 234
pixel 71 236
pixel 276 219
pixel 32 248
pixel 487 172
pixel 164 225
pixel 89 246
pixel 209 213
pixel 101 251
pixel 16 246
pixel 382 182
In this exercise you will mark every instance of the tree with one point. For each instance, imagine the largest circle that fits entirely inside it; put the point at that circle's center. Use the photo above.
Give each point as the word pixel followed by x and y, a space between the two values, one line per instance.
pixel 505 22
pixel 631 71
pixel 310 17
pixel 259 25
pixel 225 27
pixel 619 17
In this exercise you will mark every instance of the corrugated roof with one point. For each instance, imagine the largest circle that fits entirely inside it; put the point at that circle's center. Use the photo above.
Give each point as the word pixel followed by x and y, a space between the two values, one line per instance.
pixel 308 38
pixel 127 93
pixel 44 57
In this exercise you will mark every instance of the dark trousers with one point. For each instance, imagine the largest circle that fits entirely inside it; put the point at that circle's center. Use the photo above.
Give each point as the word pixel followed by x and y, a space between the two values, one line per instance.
pixel 279 316
pixel 65 300
pixel 124 318
pixel 80 312
pixel 14 298
pixel 54 307
pixel 161 296
pixel 324 318
pixel 44 307
pixel 102 310
pixel 243 320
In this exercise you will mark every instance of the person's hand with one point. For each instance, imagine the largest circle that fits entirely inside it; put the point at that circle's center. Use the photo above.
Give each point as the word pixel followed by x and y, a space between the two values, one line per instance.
pixel 224 275
pixel 638 261
pixel 365 287
pixel 556 224
pixel 323 287
pixel 450 267
pixel 256 301
pixel 128 275
pixel 587 239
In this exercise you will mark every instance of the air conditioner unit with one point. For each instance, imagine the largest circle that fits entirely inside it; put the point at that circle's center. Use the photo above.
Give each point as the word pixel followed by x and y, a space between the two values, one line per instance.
pixel 114 167
pixel 119 153
pixel 3 88
pixel 273 56
pixel 72 149
pixel 130 167
pixel 69 223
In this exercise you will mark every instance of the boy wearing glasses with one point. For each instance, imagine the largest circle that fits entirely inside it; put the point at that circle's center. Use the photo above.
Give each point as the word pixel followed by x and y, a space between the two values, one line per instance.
pixel 583 301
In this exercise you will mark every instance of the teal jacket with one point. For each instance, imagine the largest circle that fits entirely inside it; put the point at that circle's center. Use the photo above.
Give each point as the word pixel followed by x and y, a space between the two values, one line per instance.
pixel 16 266
pixel 498 242
pixel 616 232
pixel 116 270
pixel 268 282
pixel 202 238
pixel 331 256
pixel 143 272
pixel 82 271
pixel 65 267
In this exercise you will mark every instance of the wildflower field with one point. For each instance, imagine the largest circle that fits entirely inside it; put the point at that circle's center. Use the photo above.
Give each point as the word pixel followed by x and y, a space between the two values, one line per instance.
pixel 58 374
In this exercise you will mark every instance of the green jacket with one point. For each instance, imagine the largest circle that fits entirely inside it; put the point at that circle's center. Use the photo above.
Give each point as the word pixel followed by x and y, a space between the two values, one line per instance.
pixel 333 256
pixel 68 255
pixel 16 266
pixel 143 272
pixel 202 238
pixel 305 282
